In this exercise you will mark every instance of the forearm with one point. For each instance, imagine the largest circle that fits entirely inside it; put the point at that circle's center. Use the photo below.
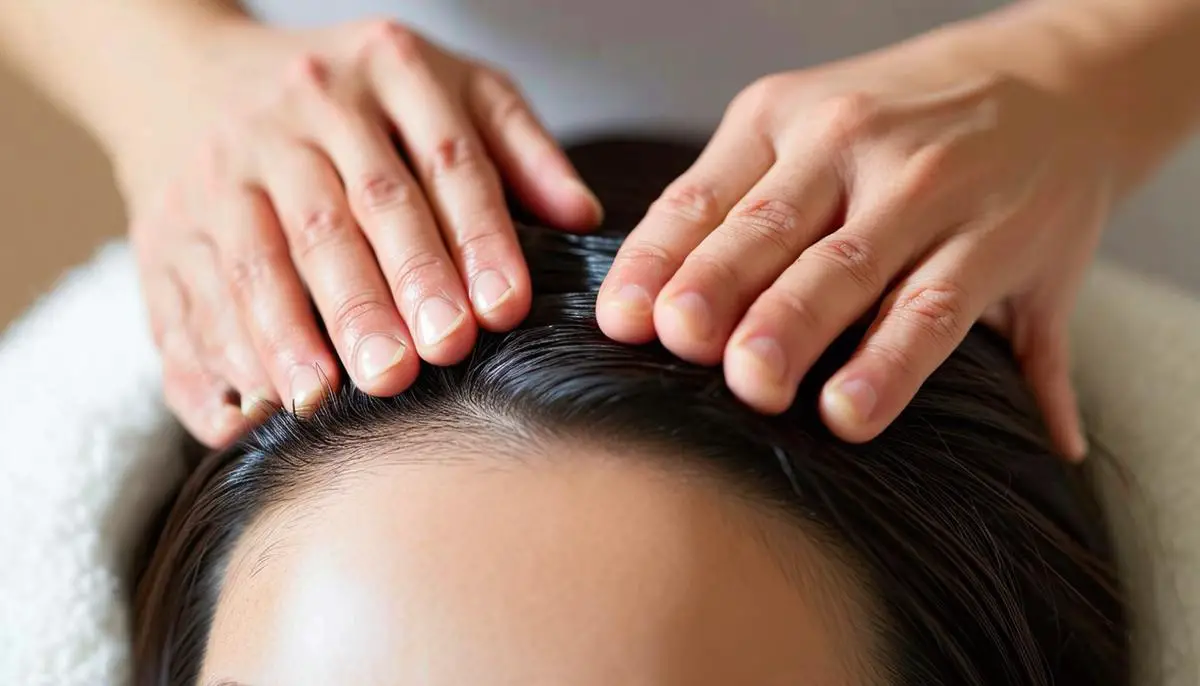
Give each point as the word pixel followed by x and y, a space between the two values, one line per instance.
pixel 1137 61
pixel 106 62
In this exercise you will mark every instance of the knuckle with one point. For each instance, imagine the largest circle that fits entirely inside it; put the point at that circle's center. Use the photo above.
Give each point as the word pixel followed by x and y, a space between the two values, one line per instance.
pixel 454 154
pixel 755 101
pixel 926 171
pixel 771 221
pixel 714 269
pixel 416 269
pixel 356 308
pixel 894 357
pixel 308 73
pixel 509 106
pixel 786 306
pixel 851 117
pixel 644 254
pixel 490 241
pixel 692 202
pixel 394 40
pixel 247 273
pixel 938 310
pixel 382 191
pixel 855 256
pixel 318 228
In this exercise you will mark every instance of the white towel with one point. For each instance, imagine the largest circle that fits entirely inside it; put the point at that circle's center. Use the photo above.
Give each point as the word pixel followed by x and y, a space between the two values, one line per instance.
pixel 90 452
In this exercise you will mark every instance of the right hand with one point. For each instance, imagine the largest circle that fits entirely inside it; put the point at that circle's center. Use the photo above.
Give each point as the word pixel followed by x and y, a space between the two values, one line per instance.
pixel 271 176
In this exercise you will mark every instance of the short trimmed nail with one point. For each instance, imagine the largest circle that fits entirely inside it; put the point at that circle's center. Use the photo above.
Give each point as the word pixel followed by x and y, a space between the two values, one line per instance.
pixel 1079 447
pixel 850 401
pixel 633 298
pixel 489 291
pixel 694 313
pixel 307 389
pixel 437 318
pixel 579 187
pixel 768 356
pixel 255 405
pixel 378 353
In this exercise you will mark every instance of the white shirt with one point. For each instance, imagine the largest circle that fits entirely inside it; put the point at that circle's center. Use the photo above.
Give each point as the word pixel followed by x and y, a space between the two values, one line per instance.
pixel 676 64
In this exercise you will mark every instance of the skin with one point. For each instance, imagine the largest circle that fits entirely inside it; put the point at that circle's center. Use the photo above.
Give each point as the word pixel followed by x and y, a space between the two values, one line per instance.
pixel 949 179
pixel 453 572
pixel 944 180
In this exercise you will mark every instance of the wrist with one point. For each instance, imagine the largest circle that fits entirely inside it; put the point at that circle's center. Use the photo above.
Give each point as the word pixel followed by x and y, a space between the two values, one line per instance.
pixel 176 100
pixel 167 69
pixel 1126 63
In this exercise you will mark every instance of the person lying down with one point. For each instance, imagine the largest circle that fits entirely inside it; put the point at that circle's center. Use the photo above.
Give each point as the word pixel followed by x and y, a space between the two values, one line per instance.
pixel 562 509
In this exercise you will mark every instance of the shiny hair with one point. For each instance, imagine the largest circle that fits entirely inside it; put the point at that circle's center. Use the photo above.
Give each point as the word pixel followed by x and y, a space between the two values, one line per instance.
pixel 987 554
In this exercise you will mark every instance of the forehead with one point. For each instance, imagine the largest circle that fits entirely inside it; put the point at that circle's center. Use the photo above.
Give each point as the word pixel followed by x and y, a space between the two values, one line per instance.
pixel 591 570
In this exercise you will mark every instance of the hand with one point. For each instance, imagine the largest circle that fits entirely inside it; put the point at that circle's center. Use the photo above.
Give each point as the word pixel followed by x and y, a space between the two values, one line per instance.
pixel 905 179
pixel 272 176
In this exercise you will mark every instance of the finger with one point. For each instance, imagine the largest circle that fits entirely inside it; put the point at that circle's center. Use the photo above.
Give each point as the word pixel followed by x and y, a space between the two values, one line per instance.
pixel 790 208
pixel 1042 349
pixel 399 225
pixel 827 289
pixel 687 211
pixel 340 269
pixel 218 339
pixel 918 327
pixel 271 300
pixel 196 396
pixel 528 157
pixel 464 189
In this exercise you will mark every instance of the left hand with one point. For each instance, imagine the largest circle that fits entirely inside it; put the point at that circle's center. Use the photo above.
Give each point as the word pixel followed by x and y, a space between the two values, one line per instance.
pixel 950 192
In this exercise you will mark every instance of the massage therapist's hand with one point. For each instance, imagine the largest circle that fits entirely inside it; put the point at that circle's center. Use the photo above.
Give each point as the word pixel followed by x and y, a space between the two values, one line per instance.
pixel 277 179
pixel 944 192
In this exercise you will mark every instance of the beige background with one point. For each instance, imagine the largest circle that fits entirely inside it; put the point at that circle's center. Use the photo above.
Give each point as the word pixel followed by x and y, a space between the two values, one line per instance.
pixel 57 201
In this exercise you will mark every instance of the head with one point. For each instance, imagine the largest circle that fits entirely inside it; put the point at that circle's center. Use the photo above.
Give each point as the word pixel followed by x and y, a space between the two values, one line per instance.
pixel 560 508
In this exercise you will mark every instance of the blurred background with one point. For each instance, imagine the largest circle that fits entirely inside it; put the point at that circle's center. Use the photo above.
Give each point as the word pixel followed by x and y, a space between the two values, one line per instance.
pixel 58 203
pixel 57 200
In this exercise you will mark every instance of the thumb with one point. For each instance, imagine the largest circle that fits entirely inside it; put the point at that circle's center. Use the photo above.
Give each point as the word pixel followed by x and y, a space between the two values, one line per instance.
pixel 1044 355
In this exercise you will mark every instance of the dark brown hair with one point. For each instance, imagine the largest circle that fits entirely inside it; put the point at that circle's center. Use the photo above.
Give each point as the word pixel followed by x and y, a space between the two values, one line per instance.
pixel 986 551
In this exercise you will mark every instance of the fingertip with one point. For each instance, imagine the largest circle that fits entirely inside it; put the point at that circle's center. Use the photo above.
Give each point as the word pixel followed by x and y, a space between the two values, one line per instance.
pixel 1078 450
pixel 225 424
pixel 499 302
pixel 756 372
pixel 584 209
pixel 625 313
pixel 256 406
pixel 847 406
pixel 308 387
pixel 384 364
pixel 686 325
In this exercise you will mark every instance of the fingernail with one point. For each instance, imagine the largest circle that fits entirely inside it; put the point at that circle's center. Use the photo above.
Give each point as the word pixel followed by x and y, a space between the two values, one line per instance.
pixel 766 354
pixel 255 406
pixel 850 401
pixel 378 353
pixel 693 314
pixel 1079 447
pixel 489 291
pixel 307 390
pixel 578 187
pixel 633 298
pixel 437 318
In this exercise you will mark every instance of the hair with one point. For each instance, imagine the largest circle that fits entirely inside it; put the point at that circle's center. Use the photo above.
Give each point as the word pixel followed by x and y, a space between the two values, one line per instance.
pixel 986 552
